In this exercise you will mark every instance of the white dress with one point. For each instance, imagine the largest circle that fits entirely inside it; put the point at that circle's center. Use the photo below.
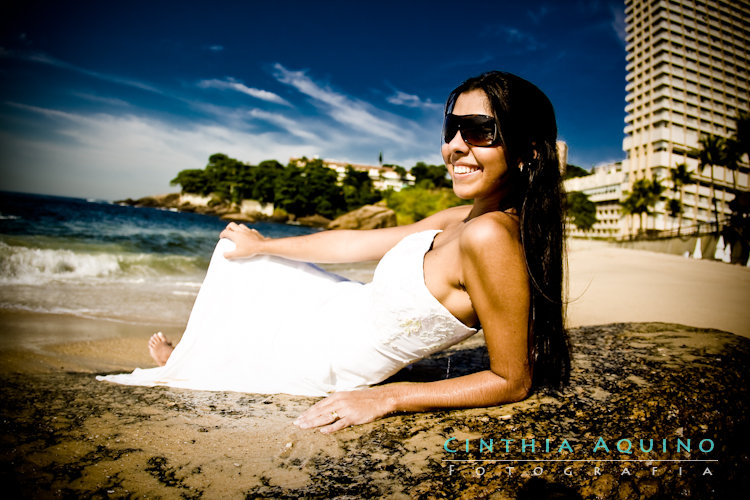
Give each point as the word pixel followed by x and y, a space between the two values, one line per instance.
pixel 271 325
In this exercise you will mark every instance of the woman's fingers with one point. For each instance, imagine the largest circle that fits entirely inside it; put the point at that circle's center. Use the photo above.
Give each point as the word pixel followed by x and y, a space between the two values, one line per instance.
pixel 341 410
pixel 244 238
pixel 336 426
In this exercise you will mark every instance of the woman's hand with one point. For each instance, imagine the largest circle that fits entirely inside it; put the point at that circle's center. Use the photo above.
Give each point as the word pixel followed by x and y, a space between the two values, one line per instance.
pixel 247 241
pixel 342 409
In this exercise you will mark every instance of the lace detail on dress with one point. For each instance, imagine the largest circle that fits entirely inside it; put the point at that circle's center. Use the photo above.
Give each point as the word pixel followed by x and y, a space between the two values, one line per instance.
pixel 410 322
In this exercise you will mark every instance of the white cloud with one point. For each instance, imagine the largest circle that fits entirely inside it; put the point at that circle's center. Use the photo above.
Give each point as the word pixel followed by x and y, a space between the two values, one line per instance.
pixel 347 110
pixel 294 127
pixel 232 84
pixel 110 101
pixel 42 58
pixel 618 21
pixel 215 48
pixel 108 156
pixel 412 101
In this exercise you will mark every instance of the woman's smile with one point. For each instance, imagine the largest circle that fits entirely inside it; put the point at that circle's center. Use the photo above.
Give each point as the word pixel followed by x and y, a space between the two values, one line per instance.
pixel 464 170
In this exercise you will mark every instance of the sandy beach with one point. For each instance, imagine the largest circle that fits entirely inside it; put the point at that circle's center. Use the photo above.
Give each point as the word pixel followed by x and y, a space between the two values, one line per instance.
pixel 611 284
pixel 73 435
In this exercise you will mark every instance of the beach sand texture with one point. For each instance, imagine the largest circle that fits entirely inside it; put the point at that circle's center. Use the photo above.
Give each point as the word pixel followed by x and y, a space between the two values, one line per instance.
pixel 65 434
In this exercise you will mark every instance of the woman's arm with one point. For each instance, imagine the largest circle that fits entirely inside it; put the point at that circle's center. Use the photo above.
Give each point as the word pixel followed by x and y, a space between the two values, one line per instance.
pixel 495 276
pixel 333 246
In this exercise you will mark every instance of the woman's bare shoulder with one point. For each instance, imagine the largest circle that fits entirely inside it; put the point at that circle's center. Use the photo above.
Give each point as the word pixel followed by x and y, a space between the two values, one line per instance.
pixel 491 230
pixel 446 218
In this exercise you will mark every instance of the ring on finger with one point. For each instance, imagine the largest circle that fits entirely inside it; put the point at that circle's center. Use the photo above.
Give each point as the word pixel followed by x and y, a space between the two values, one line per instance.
pixel 335 415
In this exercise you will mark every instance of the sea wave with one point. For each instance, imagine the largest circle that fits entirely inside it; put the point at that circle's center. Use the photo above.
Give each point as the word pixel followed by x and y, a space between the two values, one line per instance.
pixel 25 265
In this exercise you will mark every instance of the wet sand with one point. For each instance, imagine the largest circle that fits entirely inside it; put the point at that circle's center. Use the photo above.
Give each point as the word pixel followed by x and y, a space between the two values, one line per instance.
pixel 65 434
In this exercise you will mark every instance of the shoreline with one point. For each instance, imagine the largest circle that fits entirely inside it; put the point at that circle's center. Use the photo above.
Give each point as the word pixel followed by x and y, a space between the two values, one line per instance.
pixel 33 342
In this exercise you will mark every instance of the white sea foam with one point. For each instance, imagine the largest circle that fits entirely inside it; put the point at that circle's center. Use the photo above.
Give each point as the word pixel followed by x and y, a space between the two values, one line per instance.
pixel 29 265
pixel 23 265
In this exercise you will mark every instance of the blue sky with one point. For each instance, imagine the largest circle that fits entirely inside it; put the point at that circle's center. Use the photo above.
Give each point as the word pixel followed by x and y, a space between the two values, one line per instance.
pixel 111 99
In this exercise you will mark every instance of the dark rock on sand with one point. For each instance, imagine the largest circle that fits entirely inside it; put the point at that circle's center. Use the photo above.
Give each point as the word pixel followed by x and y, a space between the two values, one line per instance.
pixel 67 435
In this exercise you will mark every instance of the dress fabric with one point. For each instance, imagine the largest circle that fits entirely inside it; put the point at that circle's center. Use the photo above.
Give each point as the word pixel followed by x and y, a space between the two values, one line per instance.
pixel 271 325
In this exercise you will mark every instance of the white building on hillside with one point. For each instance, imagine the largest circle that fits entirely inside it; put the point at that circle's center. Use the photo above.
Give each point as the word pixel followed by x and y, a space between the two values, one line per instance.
pixel 383 178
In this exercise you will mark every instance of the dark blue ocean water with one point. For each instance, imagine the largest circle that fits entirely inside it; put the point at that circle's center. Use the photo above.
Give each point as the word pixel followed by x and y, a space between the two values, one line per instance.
pixel 95 258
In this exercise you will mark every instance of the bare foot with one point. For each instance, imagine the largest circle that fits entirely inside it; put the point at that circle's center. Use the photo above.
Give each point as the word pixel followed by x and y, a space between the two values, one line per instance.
pixel 160 348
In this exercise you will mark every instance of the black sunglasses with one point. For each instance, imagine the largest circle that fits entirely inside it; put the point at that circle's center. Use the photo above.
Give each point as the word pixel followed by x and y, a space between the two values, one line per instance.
pixel 476 130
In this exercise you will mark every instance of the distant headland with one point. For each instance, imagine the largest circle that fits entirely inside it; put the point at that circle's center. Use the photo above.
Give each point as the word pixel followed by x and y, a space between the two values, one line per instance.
pixel 310 192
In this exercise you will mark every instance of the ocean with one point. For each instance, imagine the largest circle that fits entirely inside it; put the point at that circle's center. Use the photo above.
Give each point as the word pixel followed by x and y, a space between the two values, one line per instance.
pixel 96 259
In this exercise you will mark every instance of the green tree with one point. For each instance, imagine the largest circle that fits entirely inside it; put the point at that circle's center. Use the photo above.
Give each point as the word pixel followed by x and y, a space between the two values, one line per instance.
pixel 674 207
pixel 742 133
pixel 264 181
pixel 358 189
pixel 401 171
pixel 581 210
pixel 224 176
pixel 430 176
pixel 731 154
pixel 415 203
pixel 192 181
pixel 710 155
pixel 680 178
pixel 572 171
pixel 309 189
pixel 644 194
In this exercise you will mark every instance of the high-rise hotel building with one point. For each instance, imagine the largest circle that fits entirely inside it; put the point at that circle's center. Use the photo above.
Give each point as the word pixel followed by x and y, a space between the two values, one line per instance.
pixel 688 75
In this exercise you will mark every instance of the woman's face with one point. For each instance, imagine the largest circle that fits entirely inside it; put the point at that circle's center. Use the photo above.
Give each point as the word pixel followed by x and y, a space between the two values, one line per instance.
pixel 477 172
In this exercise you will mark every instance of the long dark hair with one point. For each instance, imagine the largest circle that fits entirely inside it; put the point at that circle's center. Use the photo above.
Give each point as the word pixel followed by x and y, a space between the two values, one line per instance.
pixel 528 132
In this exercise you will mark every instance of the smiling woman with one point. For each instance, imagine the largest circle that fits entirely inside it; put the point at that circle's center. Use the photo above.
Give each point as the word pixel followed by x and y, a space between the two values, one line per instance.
pixel 494 265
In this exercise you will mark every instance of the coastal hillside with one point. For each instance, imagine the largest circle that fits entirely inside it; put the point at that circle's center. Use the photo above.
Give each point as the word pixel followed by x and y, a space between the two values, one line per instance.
pixel 304 191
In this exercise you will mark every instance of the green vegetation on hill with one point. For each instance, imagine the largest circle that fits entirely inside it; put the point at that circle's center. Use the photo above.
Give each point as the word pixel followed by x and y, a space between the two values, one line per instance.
pixel 306 187
pixel 574 171
pixel 580 210
pixel 414 203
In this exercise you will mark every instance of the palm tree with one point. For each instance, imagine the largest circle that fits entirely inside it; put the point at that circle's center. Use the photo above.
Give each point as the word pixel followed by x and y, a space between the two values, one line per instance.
pixel 680 178
pixel 742 133
pixel 710 155
pixel 675 210
pixel 737 146
pixel 643 195
pixel 730 158
pixel 656 189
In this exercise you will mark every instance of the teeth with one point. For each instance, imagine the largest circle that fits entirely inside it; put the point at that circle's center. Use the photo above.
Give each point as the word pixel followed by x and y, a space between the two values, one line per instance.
pixel 461 169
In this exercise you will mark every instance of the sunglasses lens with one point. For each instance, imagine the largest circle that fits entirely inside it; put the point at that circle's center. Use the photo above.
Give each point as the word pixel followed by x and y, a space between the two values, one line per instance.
pixel 476 130
pixel 479 134
pixel 450 127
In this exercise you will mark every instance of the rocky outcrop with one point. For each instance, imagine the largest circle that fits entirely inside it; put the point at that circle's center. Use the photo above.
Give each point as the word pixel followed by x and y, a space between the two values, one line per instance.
pixel 653 410
pixel 247 211
pixel 171 200
pixel 314 221
pixel 366 217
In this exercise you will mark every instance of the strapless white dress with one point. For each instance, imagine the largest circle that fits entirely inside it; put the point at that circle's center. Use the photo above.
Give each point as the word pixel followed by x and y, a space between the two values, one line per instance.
pixel 271 325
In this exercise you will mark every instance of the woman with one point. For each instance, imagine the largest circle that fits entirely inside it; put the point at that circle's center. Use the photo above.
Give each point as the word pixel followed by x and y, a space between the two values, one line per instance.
pixel 496 264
